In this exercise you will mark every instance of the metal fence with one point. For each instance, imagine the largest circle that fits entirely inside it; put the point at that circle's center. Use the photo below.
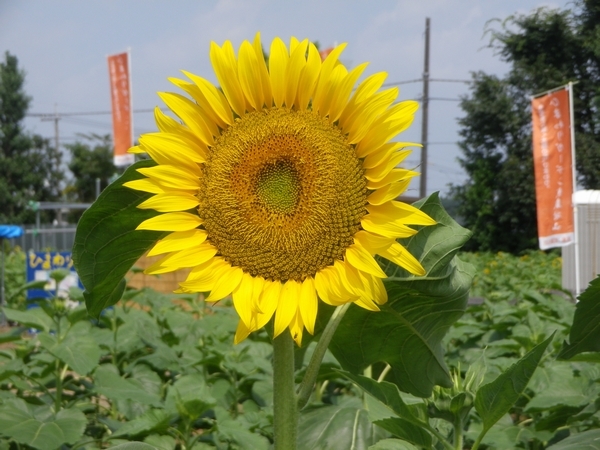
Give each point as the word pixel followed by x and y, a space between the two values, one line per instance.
pixel 46 237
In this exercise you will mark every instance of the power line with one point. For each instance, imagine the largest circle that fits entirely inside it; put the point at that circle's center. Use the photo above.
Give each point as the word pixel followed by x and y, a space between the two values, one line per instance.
pixel 86 113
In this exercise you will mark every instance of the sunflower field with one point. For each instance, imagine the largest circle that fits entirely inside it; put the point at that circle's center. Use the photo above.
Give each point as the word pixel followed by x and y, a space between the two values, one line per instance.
pixel 320 309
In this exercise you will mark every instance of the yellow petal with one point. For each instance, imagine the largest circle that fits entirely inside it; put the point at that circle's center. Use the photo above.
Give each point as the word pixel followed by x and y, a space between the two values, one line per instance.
pixel 401 256
pixel 355 280
pixel 293 71
pixel 170 202
pixel 341 96
pixel 322 105
pixel 264 73
pixel 335 289
pixel 226 71
pixel 241 333
pixel 190 114
pixel 179 240
pixel 297 328
pixel 359 124
pixel 136 150
pixel 326 70
pixel 167 124
pixel 393 176
pixel 364 91
pixel 225 283
pixel 278 61
pixel 308 78
pixel 146 185
pixel 371 242
pixel 385 227
pixel 379 172
pixel 387 193
pixel 309 304
pixel 202 277
pixel 172 177
pixel 173 149
pixel 189 257
pixel 382 154
pixel 242 301
pixel 257 289
pixel 401 212
pixel 209 118
pixel 249 75
pixel 268 301
pixel 287 307
pixel 174 221
pixel 363 260
pixel 215 98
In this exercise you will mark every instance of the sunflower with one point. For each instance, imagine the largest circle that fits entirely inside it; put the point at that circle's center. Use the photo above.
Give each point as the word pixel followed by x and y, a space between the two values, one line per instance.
pixel 279 188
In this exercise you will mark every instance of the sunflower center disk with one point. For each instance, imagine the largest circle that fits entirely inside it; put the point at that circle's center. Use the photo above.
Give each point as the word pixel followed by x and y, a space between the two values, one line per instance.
pixel 283 194
pixel 278 187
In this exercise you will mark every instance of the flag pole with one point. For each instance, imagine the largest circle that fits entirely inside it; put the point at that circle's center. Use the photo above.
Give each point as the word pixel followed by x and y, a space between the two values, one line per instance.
pixel 573 174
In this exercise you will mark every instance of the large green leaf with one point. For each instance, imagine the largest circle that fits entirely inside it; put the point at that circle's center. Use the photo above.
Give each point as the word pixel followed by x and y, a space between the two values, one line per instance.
pixel 155 420
pixel 408 332
pixel 77 349
pixel 330 427
pixel 34 318
pixel 106 243
pixel 108 382
pixel 588 440
pixel 494 400
pixel 585 332
pixel 392 444
pixel 134 446
pixel 19 422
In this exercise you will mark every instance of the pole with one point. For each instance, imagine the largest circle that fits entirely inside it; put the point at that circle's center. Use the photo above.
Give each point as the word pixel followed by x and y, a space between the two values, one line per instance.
pixel 425 106
pixel 573 174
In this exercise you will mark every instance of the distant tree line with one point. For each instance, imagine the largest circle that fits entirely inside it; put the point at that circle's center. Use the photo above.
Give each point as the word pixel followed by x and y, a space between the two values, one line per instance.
pixel 31 169
pixel 545 49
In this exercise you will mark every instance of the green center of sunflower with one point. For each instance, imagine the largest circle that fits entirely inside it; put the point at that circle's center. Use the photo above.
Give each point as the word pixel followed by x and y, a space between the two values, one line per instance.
pixel 278 187
pixel 282 194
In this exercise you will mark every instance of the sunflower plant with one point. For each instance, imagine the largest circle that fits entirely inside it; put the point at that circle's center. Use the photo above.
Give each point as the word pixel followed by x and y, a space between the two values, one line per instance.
pixel 279 188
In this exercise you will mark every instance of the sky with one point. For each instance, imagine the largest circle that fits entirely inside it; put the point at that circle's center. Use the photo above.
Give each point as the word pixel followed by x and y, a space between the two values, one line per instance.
pixel 62 45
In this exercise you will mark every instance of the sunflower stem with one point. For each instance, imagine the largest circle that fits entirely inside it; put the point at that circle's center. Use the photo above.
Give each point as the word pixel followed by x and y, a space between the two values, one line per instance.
pixel 285 411
pixel 306 386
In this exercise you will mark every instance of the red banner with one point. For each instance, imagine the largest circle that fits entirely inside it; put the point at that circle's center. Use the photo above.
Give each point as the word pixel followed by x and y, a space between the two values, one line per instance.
pixel 553 169
pixel 120 95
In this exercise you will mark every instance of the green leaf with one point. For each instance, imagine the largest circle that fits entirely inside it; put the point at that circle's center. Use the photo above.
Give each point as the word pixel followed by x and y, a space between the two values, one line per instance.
pixel 108 382
pixel 588 440
pixel 77 349
pixel 392 444
pixel 34 318
pixel 389 395
pixel 585 332
pixel 134 446
pixel 494 400
pixel 19 422
pixel 155 420
pixel 106 243
pixel 190 396
pixel 161 442
pixel 407 333
pixel 329 427
pixel 233 430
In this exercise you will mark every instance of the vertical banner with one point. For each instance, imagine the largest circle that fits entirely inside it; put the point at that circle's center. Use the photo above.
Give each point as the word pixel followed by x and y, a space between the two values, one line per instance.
pixel 120 95
pixel 553 169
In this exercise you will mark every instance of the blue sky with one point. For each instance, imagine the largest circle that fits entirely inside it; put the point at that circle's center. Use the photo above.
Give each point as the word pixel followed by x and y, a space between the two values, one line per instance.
pixel 62 45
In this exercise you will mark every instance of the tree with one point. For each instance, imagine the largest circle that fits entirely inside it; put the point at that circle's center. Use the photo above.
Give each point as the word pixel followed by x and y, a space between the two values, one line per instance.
pixel 29 166
pixel 90 160
pixel 546 49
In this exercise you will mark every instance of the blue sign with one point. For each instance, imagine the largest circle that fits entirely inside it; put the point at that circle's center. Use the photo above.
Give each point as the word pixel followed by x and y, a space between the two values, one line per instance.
pixel 39 266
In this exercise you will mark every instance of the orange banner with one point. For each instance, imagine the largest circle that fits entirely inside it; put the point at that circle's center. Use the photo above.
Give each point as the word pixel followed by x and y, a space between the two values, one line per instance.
pixel 120 95
pixel 553 169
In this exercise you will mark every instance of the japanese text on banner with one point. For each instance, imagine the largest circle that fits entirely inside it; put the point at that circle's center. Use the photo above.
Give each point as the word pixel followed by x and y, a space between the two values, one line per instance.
pixel 553 170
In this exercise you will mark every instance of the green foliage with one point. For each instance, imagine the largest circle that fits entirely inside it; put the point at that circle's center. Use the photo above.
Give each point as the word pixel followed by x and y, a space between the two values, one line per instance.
pixel 585 333
pixel 545 49
pixel 29 166
pixel 106 243
pixel 418 313
pixel 91 158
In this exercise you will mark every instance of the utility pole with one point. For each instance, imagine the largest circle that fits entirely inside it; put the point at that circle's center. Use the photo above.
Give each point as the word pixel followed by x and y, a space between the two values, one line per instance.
pixel 425 109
